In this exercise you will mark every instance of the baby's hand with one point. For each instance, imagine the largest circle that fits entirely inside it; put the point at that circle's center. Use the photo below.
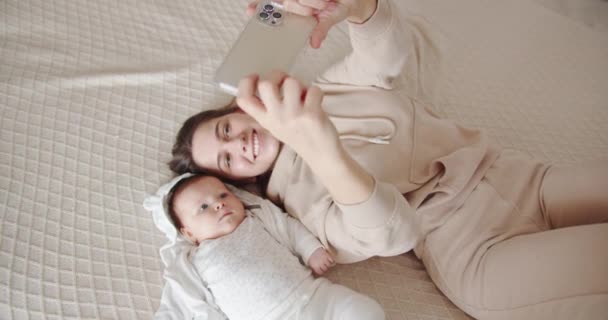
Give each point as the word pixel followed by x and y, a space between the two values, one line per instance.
pixel 320 261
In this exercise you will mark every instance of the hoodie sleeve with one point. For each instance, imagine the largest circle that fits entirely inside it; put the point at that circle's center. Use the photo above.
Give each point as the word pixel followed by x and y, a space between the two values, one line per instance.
pixel 379 51
pixel 383 225
pixel 288 231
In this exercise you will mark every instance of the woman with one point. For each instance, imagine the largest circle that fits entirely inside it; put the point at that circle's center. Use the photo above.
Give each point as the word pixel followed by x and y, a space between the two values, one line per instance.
pixel 372 174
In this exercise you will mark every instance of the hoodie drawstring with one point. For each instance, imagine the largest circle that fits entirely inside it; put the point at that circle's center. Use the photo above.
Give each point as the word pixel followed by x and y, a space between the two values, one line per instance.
pixel 383 139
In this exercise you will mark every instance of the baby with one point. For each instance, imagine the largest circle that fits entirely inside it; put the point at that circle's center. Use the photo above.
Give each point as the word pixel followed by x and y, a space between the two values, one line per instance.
pixel 247 258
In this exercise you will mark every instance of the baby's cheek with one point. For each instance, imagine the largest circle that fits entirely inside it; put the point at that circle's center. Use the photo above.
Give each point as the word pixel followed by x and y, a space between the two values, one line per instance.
pixel 230 223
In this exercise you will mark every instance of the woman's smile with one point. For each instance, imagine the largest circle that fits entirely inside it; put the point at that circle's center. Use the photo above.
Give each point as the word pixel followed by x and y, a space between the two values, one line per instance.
pixel 234 146
pixel 256 144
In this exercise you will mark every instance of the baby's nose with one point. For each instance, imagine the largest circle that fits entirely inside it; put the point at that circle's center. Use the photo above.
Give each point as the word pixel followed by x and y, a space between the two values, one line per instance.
pixel 219 205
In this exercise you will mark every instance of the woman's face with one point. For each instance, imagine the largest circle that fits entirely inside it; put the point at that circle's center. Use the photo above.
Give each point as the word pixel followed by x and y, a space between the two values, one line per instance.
pixel 234 146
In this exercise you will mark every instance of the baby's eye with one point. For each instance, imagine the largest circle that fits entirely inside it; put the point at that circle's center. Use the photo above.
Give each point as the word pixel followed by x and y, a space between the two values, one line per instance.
pixel 223 195
pixel 227 159
pixel 204 206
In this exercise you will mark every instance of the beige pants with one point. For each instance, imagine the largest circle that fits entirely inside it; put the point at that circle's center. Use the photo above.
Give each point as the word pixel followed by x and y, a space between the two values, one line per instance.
pixel 531 242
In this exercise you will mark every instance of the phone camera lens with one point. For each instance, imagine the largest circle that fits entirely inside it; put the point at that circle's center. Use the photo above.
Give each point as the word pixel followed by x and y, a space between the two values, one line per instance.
pixel 264 15
pixel 268 8
pixel 277 15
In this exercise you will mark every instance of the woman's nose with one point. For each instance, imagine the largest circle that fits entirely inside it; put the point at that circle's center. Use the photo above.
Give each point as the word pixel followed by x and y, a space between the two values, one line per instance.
pixel 240 144
pixel 243 142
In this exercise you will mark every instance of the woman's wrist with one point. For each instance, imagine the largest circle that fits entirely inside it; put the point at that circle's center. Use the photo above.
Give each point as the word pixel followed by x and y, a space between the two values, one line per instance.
pixel 362 11
pixel 319 152
pixel 345 179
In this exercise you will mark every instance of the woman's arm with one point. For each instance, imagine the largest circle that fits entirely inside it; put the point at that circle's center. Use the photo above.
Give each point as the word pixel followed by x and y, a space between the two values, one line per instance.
pixel 380 51
pixel 293 114
pixel 384 225
pixel 345 179
pixel 327 12
pixel 379 42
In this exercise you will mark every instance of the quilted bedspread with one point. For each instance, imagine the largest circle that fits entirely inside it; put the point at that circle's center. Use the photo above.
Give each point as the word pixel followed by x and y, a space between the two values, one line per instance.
pixel 92 93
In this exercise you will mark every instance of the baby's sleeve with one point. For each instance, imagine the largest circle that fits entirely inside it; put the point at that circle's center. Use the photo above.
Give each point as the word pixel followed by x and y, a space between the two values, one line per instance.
pixel 288 231
pixel 184 295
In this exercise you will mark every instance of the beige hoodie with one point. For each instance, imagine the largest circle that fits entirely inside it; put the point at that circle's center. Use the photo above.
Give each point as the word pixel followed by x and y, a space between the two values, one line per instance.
pixel 424 166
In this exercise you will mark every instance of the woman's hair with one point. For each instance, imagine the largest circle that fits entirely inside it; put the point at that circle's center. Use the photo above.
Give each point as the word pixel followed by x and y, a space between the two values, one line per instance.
pixel 182 161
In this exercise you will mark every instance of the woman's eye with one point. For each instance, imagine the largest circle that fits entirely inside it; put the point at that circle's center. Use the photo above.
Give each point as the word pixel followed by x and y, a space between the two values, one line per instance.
pixel 223 195
pixel 227 130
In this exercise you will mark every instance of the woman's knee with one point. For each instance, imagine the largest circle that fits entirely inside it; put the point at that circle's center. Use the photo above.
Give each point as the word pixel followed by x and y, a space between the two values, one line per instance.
pixel 575 195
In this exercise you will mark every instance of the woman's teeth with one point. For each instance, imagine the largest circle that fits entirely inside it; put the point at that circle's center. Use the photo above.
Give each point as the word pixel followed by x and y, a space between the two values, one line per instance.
pixel 256 145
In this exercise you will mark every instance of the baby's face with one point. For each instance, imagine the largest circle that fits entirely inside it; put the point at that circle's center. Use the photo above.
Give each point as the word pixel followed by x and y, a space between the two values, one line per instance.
pixel 208 210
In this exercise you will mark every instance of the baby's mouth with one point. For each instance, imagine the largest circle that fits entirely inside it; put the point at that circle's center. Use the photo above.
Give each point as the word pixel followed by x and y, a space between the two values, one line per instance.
pixel 226 214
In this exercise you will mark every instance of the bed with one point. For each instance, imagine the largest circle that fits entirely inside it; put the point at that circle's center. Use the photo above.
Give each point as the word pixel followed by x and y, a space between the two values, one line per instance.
pixel 92 93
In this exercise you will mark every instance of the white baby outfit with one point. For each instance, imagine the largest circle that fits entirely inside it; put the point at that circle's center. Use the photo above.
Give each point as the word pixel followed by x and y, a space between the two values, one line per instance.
pixel 251 273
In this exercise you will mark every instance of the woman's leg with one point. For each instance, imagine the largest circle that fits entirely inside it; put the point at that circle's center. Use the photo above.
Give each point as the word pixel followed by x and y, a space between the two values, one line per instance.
pixel 556 274
pixel 497 259
pixel 575 195
pixel 491 273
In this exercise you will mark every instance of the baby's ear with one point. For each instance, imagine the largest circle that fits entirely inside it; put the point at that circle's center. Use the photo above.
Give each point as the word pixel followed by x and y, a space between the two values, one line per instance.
pixel 186 233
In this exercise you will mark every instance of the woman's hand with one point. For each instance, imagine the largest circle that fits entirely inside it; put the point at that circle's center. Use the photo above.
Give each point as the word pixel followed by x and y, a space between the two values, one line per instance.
pixel 290 111
pixel 293 114
pixel 327 12
pixel 320 261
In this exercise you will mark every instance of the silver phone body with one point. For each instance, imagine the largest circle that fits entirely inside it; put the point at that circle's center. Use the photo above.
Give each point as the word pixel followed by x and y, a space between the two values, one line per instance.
pixel 264 45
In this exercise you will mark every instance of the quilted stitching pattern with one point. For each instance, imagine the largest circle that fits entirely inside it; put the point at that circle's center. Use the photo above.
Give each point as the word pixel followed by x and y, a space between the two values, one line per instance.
pixel 92 93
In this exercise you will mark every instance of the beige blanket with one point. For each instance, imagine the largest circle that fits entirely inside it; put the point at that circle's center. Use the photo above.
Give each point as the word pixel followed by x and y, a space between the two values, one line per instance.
pixel 92 93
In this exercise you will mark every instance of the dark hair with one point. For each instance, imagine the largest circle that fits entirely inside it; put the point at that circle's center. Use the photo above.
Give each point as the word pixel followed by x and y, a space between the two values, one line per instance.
pixel 178 187
pixel 182 161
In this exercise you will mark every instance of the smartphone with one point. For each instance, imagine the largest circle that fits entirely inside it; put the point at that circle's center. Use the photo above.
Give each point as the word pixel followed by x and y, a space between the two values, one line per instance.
pixel 271 40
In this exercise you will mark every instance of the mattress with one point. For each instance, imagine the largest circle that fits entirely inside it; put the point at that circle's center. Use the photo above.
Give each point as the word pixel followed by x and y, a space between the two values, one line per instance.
pixel 92 93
